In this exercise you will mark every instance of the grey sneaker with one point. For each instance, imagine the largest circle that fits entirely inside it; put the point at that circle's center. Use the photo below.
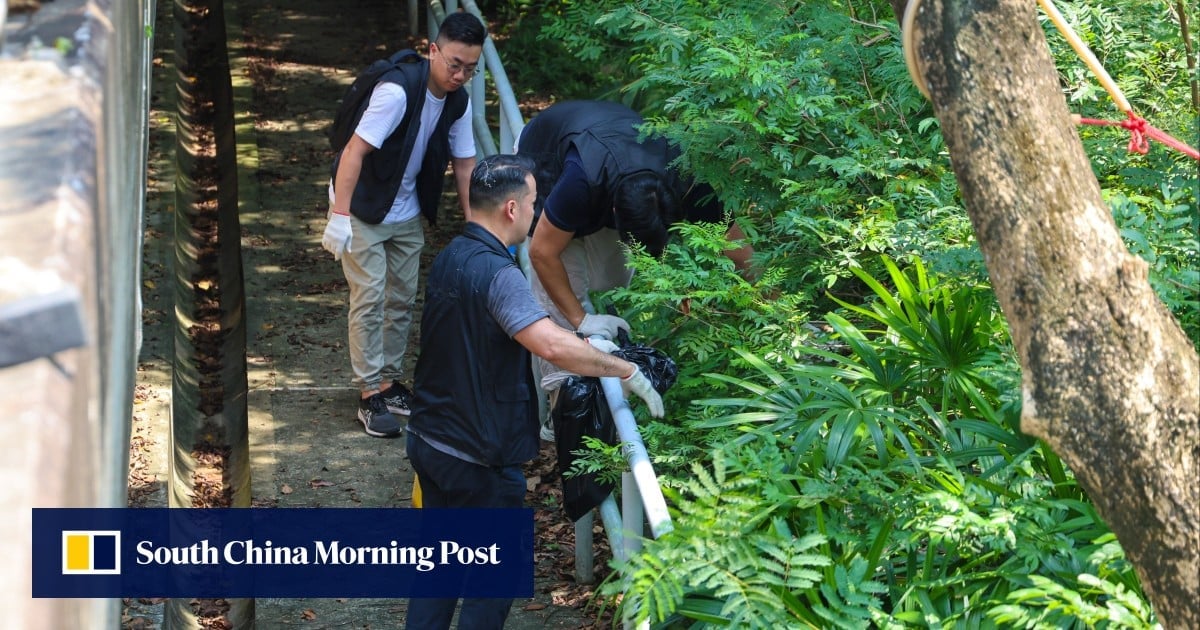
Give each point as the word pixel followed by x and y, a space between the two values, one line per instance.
pixel 377 420
pixel 398 399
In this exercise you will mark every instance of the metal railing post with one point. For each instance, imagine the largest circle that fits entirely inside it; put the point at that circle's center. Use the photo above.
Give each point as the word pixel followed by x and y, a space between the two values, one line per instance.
pixel 433 18
pixel 610 516
pixel 631 514
pixel 585 571
pixel 511 119
pixel 478 91
pixel 639 460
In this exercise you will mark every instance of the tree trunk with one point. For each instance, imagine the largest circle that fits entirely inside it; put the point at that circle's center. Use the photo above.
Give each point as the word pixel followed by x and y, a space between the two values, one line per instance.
pixel 1110 380
pixel 209 454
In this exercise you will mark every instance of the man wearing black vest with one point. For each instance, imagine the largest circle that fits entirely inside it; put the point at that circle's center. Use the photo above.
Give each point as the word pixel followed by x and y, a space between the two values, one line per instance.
pixel 389 174
pixel 474 415
pixel 602 185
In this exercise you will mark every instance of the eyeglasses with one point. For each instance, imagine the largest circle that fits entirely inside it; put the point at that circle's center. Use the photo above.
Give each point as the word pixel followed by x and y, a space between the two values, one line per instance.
pixel 455 68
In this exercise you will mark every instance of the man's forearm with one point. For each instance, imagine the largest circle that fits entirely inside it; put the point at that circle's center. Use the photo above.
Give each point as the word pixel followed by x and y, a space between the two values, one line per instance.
pixel 345 180
pixel 462 183
pixel 558 346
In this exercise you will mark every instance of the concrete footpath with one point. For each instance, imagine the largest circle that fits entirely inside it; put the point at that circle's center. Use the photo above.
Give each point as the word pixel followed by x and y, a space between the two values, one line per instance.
pixel 307 448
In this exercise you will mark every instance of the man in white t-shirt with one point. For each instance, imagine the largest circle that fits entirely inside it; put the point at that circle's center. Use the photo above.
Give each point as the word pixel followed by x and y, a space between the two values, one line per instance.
pixel 388 175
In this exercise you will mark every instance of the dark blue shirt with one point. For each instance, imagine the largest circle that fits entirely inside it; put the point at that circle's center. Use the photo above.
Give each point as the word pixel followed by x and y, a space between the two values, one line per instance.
pixel 568 209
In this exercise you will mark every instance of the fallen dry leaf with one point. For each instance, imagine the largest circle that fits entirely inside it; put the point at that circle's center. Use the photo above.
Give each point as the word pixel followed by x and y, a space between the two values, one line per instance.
pixel 534 606
pixel 308 614
pixel 285 489
pixel 319 483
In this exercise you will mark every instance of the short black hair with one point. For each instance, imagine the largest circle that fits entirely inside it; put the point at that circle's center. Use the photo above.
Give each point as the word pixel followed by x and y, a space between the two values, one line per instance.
pixel 645 207
pixel 464 28
pixel 498 178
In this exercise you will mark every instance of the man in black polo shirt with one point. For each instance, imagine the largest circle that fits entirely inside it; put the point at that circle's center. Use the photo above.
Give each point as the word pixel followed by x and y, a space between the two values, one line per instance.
pixel 474 415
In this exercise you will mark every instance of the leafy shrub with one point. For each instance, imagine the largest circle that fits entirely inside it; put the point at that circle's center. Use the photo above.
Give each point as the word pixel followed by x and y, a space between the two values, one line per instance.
pixel 888 461
pixel 873 406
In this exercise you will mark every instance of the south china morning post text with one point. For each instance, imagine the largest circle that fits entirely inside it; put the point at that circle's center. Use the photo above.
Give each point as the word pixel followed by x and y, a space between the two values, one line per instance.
pixel 251 552
pixel 282 552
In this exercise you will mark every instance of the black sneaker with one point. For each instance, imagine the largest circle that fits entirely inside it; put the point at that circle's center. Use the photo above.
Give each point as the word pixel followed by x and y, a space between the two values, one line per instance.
pixel 398 399
pixel 377 421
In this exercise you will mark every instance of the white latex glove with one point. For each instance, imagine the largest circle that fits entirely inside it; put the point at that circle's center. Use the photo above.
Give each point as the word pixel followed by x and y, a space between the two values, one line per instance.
pixel 604 345
pixel 604 325
pixel 337 235
pixel 638 384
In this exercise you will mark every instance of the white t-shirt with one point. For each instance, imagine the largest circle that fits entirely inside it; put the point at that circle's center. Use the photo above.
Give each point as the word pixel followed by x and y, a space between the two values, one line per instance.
pixel 382 116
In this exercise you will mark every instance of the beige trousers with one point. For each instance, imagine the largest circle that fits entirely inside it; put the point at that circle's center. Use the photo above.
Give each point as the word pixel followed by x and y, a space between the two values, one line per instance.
pixel 381 269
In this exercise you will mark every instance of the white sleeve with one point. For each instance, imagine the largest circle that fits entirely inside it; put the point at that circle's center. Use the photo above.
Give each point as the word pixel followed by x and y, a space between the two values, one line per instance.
pixel 383 114
pixel 462 135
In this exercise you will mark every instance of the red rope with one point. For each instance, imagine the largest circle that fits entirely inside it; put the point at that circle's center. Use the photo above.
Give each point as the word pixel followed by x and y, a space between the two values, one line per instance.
pixel 1139 130
pixel 1137 133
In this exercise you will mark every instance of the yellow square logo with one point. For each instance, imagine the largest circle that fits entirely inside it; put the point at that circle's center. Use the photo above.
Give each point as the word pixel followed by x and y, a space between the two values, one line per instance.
pixel 91 552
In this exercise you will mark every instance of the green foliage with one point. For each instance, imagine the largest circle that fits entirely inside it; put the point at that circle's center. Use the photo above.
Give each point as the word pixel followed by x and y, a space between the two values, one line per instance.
pixel 787 116
pixel 734 561
pixel 896 448
pixel 1104 600
pixel 540 67
pixel 803 119
pixel 597 457
pixel 694 298
pixel 952 336
pixel 869 415
pixel 1138 44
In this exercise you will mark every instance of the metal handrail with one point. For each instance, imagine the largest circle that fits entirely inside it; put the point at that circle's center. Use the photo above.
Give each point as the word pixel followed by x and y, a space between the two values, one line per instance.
pixel 641 494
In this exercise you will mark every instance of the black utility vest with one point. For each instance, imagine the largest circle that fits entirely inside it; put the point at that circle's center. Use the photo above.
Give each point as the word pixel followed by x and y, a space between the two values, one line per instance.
pixel 474 387
pixel 606 136
pixel 383 169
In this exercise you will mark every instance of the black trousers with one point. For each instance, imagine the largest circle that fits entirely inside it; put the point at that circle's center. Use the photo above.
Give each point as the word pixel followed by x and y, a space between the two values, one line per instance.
pixel 449 482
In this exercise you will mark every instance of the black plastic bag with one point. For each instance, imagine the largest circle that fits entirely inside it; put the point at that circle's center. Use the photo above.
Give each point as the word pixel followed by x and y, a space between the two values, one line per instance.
pixel 582 411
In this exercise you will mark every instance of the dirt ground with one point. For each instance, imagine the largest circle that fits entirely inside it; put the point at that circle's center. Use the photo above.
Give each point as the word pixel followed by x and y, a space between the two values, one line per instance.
pixel 290 62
